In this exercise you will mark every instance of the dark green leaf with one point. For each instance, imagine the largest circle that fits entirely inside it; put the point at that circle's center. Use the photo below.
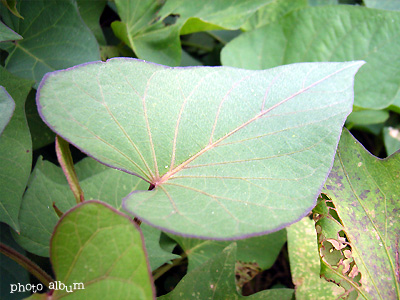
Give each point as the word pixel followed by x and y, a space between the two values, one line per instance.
pixel 15 151
pixel 262 250
pixel 156 255
pixel 7 34
pixel 11 273
pixel 215 279
pixel 48 184
pixel 90 12
pixel 40 132
pixel 55 37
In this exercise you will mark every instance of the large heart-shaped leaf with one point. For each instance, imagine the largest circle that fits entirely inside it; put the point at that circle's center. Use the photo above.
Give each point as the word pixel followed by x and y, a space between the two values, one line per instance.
pixel 330 33
pixel 365 191
pixel 221 146
pixel 98 252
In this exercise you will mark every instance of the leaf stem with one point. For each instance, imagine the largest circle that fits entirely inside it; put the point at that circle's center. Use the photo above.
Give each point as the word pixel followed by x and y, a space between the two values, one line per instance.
pixel 165 268
pixel 194 45
pixel 27 264
pixel 65 159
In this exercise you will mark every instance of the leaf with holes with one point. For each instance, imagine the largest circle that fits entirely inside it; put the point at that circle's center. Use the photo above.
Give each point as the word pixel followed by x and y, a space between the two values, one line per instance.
pixel 305 264
pixel 365 191
pixel 221 146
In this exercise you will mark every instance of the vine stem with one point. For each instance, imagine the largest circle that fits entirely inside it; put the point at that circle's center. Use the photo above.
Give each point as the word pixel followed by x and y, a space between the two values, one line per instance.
pixel 65 159
pixel 27 264
pixel 165 268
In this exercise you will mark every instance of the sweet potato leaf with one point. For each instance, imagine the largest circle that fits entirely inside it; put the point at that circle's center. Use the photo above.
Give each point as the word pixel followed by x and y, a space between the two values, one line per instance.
pixel 151 28
pixel 262 250
pixel 330 33
pixel 305 264
pixel 272 12
pixel 7 34
pixel 221 146
pixel 116 269
pixel 215 279
pixel 365 192
pixel 55 37
pixel 38 217
pixel 15 151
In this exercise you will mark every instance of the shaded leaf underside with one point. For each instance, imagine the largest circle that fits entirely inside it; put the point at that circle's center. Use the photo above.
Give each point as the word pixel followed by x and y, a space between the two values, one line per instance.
pixel 222 146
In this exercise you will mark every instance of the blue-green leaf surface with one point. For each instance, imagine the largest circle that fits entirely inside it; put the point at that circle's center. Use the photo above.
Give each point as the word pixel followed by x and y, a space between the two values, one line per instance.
pixel 221 146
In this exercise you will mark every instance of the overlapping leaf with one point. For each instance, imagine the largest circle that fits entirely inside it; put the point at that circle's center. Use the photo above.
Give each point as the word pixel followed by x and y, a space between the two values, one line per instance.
pixel 48 185
pixel 55 37
pixel 215 279
pixel 152 28
pixel 15 151
pixel 262 250
pixel 90 12
pixel 97 252
pixel 7 34
pixel 383 4
pixel 222 146
pixel 273 12
pixel 391 137
pixel 365 191
pixel 330 33
pixel 157 255
pixel 305 264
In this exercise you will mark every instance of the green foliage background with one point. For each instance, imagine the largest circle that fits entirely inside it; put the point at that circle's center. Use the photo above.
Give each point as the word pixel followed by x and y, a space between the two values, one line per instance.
pixel 350 250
